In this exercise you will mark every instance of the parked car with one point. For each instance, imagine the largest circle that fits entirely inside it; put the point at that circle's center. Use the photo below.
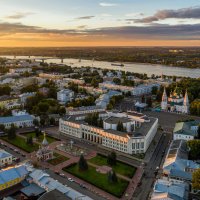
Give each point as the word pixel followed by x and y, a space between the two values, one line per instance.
pixel 70 179
pixel 62 175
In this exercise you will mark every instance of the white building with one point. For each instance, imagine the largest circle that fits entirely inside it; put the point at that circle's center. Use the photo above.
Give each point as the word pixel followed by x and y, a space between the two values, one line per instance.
pixel 5 158
pixel 20 70
pixel 23 97
pixel 139 131
pixel 65 95
pixel 186 130
pixel 18 121
pixel 135 91
pixel 84 110
pixel 176 102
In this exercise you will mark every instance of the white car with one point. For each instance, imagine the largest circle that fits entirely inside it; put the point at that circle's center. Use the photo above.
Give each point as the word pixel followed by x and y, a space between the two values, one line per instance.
pixel 70 179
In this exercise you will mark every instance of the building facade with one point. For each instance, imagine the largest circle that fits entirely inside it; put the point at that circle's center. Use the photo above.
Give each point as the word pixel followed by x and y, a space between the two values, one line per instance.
pixel 136 138
pixel 5 158
pixel 176 102
pixel 65 95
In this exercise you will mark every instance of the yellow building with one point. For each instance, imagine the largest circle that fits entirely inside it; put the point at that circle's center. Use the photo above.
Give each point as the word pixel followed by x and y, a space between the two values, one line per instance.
pixel 12 176
pixel 5 100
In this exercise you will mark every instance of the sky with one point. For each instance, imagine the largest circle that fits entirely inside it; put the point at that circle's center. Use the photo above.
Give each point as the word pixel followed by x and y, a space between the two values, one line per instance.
pixel 57 23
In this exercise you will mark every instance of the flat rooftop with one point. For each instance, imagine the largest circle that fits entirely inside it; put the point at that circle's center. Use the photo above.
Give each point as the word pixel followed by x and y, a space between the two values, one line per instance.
pixel 145 127
pixel 116 120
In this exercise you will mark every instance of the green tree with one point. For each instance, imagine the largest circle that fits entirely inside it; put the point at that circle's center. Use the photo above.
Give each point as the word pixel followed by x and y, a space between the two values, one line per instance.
pixel 12 132
pixel 154 90
pixel 52 121
pixel 196 180
pixel 83 166
pixel 117 81
pixel 112 178
pixel 194 146
pixel 149 102
pixel 2 127
pixel 62 111
pixel 43 107
pixel 42 121
pixel 36 122
pixel 112 158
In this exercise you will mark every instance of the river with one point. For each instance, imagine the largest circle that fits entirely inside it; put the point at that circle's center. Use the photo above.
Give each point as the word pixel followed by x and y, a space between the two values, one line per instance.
pixel 130 67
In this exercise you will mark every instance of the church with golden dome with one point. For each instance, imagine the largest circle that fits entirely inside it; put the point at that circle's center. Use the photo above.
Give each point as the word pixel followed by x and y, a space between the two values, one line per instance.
pixel 176 102
pixel 44 153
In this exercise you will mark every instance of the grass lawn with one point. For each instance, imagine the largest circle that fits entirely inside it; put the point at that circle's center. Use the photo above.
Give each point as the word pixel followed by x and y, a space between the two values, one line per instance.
pixel 119 168
pixel 21 143
pixel 99 180
pixel 58 159
pixel 41 137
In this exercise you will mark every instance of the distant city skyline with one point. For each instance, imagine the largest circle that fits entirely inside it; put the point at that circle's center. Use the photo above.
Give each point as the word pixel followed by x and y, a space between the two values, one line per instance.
pixel 56 23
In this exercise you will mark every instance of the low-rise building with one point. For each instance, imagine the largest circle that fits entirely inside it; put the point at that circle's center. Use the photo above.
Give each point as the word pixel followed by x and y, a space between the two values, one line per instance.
pixel 18 121
pixel 5 158
pixel 177 167
pixel 12 176
pixel 4 100
pixel 139 131
pixel 84 110
pixel 20 70
pixel 186 130
pixel 167 190
pixel 65 95
pixel 23 97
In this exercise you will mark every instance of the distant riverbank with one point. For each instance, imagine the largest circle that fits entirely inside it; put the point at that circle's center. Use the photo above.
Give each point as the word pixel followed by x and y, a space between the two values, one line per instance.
pixel 149 69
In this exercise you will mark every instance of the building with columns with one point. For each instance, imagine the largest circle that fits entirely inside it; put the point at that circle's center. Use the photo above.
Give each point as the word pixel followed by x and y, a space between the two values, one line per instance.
pixel 175 102
pixel 138 130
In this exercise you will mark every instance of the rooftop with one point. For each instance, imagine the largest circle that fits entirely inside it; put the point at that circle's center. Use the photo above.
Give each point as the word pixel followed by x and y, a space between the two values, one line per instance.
pixel 116 120
pixel 13 119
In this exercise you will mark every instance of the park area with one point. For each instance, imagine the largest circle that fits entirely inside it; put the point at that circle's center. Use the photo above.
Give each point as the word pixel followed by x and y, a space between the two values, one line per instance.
pixel 99 180
pixel 21 143
pixel 119 168
pixel 58 158
pixel 40 137
pixel 98 173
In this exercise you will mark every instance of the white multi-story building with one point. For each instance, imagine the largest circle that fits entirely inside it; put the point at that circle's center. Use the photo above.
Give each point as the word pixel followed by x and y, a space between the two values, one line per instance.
pixel 176 102
pixel 139 131
pixel 65 95
pixel 84 110
pixel 20 70
pixel 135 91
pixel 5 158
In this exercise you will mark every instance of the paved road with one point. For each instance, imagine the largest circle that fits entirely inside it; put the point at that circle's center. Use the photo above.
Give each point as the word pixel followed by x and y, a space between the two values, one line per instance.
pixel 142 192
pixel 168 120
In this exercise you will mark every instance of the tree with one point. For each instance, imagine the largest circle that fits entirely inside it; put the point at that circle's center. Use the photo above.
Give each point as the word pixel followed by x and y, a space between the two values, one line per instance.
pixel 29 140
pixel 112 158
pixel 37 132
pixel 198 132
pixel 117 81
pixel 112 177
pixel 194 146
pixel 2 127
pixel 196 180
pixel 52 121
pixel 143 99
pixel 12 132
pixel 149 102
pixel 62 111
pixel 83 166
pixel 42 121
pixel 43 107
pixel 36 122
pixel 120 126
pixel 154 90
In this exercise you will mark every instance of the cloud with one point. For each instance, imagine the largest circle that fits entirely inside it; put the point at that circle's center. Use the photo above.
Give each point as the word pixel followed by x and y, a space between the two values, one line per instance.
pixel 104 4
pixel 19 15
pixel 155 32
pixel 185 13
pixel 85 17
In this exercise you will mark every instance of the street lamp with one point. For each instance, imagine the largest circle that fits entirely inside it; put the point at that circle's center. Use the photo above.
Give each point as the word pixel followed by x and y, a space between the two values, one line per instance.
pixel 71 144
